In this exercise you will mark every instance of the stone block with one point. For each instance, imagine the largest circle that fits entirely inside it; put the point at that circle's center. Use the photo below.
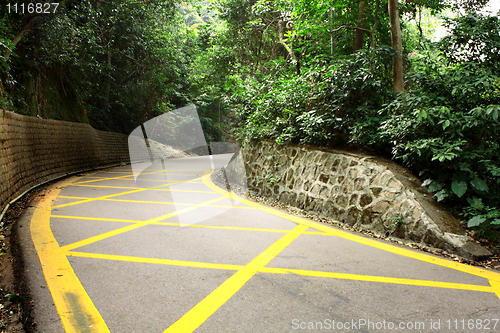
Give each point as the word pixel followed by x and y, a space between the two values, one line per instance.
pixel 342 201
pixel 380 207
pixel 353 199
pixel 352 216
pixel 323 193
pixel 388 194
pixel 324 178
pixel 315 190
pixel 395 185
pixel 365 200
pixel 376 191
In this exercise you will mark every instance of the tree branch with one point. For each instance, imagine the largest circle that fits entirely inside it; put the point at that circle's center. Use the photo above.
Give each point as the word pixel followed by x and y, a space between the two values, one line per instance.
pixel 19 36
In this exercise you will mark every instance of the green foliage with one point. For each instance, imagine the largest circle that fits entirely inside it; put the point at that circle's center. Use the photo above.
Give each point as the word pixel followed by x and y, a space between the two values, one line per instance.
pixel 396 222
pixel 265 70
pixel 485 219
pixel 319 107
pixel 447 126
pixel 116 62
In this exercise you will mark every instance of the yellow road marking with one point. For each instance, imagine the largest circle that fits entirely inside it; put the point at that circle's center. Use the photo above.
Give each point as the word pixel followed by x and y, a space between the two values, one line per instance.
pixel 156 202
pixel 204 309
pixel 141 201
pixel 382 279
pixel 495 285
pixel 141 188
pixel 189 225
pixel 126 177
pixel 135 180
pixel 116 195
pixel 115 232
pixel 77 312
pixel 94 219
pixel 272 270
pixel 111 178
pixel 118 187
pixel 362 240
pixel 169 262
pixel 105 178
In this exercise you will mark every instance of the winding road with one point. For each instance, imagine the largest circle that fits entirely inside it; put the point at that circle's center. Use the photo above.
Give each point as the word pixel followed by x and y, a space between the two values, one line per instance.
pixel 169 251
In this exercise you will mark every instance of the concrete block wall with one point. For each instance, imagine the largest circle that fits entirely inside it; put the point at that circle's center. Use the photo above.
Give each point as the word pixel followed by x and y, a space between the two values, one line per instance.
pixel 34 150
pixel 353 189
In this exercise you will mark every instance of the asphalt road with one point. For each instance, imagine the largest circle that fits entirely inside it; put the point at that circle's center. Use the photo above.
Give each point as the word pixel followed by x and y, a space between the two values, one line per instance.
pixel 172 252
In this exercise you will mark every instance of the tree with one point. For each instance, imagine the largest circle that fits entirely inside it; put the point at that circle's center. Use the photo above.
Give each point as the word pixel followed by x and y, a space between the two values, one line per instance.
pixel 113 62
pixel 397 45
pixel 360 27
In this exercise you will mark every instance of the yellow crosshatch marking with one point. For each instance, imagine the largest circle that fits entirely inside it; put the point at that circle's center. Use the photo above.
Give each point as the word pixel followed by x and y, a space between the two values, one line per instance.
pixel 189 225
pixel 71 298
pixel 118 194
pixel 150 189
pixel 155 202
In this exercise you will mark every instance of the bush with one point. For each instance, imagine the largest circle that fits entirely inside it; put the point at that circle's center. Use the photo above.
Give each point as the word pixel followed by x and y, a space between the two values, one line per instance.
pixel 321 107
pixel 447 126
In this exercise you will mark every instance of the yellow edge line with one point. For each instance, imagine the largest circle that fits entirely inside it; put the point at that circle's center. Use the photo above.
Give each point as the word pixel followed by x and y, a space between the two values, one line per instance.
pixel 204 309
pixel 74 306
pixel 359 239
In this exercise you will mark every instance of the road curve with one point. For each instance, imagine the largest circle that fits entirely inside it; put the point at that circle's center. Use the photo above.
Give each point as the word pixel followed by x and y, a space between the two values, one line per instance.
pixel 172 252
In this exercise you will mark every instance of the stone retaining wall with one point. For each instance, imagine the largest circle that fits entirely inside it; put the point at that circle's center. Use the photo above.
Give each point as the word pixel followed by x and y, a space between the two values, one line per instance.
pixel 34 150
pixel 356 190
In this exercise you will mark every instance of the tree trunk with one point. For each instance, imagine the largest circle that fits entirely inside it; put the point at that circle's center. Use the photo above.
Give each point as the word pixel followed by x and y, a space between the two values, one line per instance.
pixel 375 25
pixel 19 36
pixel 360 34
pixel 290 51
pixel 397 60
pixel 27 27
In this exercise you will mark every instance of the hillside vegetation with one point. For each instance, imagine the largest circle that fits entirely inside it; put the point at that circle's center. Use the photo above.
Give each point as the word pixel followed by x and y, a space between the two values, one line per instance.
pixel 356 74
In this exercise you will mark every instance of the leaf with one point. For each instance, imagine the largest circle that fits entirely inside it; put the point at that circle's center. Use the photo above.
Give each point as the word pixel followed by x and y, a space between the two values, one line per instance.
pixel 15 298
pixel 496 222
pixel 476 203
pixel 435 186
pixel 446 124
pixel 475 221
pixel 422 115
pixel 444 109
pixel 493 214
pixel 427 182
pixel 441 195
pixel 479 185
pixel 459 187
